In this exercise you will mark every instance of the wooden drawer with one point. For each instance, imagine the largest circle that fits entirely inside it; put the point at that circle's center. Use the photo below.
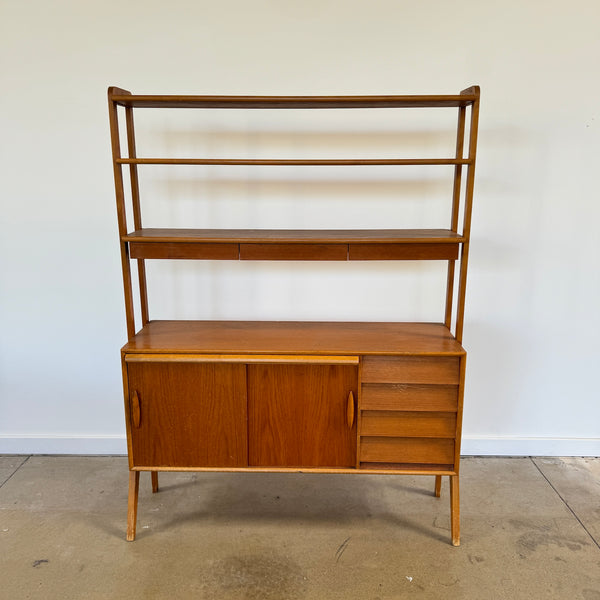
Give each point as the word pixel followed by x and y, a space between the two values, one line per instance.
pixel 184 250
pixel 411 369
pixel 382 251
pixel 406 450
pixel 408 424
pixel 400 396
pixel 293 251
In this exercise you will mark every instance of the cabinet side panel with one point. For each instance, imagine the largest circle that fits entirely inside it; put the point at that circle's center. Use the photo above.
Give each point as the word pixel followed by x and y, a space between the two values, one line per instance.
pixel 298 415
pixel 191 415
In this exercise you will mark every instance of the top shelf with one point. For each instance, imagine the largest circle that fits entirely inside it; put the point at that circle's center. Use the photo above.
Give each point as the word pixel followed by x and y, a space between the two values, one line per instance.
pixel 123 98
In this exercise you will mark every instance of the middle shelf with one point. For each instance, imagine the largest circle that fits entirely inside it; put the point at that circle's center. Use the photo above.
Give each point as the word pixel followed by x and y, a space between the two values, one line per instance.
pixel 294 244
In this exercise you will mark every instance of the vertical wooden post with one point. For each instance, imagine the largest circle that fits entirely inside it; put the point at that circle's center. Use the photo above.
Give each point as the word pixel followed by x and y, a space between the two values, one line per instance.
pixel 137 213
pixel 132 502
pixel 438 486
pixel 460 139
pixel 464 256
pixel 154 481
pixel 454 510
pixel 121 212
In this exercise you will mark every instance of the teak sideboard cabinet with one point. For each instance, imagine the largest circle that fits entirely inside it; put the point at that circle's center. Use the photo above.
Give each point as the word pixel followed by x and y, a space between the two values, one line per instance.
pixel 325 397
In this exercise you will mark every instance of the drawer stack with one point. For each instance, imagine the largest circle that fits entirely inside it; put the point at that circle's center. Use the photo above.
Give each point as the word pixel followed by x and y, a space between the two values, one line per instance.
pixel 408 412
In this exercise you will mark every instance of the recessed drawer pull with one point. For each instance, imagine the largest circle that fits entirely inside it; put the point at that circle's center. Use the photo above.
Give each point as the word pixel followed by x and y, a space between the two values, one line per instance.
pixel 350 410
pixel 136 413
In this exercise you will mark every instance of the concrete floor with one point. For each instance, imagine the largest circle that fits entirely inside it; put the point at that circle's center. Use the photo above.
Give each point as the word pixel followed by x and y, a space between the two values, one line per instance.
pixel 530 529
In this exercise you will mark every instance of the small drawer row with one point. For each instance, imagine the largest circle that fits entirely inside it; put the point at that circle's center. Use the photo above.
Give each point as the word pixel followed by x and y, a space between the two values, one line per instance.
pixel 293 251
pixel 409 410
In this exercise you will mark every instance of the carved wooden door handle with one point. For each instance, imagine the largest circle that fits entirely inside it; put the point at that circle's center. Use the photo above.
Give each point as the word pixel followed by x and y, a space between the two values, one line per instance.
pixel 136 412
pixel 350 410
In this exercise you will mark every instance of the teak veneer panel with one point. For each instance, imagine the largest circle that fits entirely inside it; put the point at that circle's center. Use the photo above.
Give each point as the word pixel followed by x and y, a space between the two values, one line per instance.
pixel 189 414
pixel 409 397
pixel 299 102
pixel 407 424
pixel 294 337
pixel 410 369
pixel 385 251
pixel 406 450
pixel 297 415
pixel 184 250
pixel 406 468
pixel 293 251
pixel 279 236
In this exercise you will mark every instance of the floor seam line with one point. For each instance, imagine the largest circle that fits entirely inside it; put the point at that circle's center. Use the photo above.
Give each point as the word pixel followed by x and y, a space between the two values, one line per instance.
pixel 11 475
pixel 565 503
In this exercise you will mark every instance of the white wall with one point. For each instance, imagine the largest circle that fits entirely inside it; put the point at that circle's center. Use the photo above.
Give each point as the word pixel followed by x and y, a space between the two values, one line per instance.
pixel 534 289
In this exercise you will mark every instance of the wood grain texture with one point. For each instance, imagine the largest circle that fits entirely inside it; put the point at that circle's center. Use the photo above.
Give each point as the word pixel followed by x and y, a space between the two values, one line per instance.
pixel 413 397
pixel 297 415
pixel 299 102
pixel 350 410
pixel 136 415
pixel 406 450
pixel 132 504
pixel 293 251
pixel 407 468
pixel 368 468
pixel 410 369
pixel 403 251
pixel 192 414
pixel 408 424
pixel 113 117
pixel 184 250
pixel 294 337
pixel 455 510
pixel 293 161
pixel 242 358
pixel 288 236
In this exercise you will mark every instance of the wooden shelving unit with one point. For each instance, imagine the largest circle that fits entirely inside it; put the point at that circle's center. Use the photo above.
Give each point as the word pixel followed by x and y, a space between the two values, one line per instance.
pixel 295 396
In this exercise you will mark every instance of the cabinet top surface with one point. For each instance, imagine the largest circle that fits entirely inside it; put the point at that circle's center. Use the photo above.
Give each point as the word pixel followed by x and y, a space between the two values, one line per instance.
pixel 294 337
pixel 124 98
pixel 296 235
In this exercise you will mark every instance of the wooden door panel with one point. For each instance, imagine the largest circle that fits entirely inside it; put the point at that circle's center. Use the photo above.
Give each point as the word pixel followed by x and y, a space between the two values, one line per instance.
pixel 188 415
pixel 297 415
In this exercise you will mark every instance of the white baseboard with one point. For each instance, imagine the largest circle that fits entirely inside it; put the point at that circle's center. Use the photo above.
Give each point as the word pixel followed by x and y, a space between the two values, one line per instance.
pixel 63 444
pixel 471 445
pixel 529 446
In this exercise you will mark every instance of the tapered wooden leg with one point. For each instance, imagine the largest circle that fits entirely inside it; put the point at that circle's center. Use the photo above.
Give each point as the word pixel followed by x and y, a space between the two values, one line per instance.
pixel 438 486
pixel 134 486
pixel 454 510
pixel 154 481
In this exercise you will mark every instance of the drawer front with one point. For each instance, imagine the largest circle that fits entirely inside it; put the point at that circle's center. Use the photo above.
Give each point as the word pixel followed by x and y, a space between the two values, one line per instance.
pixel 400 396
pixel 411 369
pixel 407 424
pixel 184 250
pixel 406 450
pixel 293 251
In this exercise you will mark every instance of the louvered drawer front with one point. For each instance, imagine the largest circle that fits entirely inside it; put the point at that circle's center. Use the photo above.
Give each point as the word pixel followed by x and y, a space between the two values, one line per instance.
pixel 408 411
pixel 411 369
pixel 406 450
pixel 408 424
pixel 409 397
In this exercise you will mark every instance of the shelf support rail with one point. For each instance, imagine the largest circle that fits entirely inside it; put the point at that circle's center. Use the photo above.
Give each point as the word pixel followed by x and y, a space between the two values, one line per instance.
pixel 468 208
pixel 121 210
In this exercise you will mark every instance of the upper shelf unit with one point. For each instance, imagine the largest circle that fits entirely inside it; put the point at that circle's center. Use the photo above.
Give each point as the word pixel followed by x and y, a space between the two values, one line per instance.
pixel 251 244
pixel 140 243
